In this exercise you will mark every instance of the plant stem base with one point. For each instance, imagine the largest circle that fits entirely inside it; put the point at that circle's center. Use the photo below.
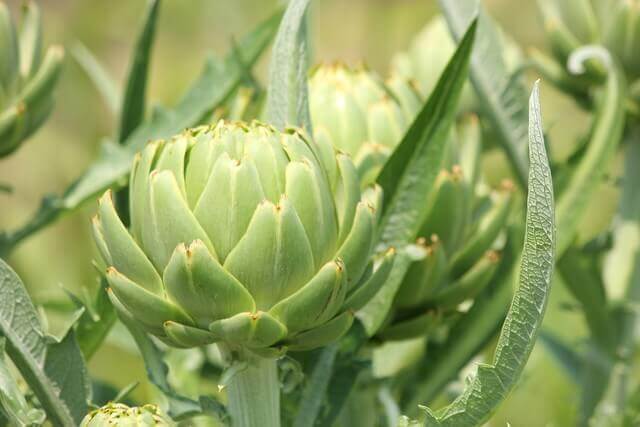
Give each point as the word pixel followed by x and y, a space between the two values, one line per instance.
pixel 254 395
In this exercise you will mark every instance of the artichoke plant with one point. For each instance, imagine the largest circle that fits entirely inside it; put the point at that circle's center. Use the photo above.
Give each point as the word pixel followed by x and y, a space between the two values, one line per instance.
pixel 27 79
pixel 356 112
pixel 243 235
pixel 118 414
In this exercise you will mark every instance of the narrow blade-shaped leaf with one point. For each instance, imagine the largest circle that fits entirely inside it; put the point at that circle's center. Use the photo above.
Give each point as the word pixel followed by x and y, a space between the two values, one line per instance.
pixel 408 177
pixel 410 172
pixel 492 383
pixel 287 99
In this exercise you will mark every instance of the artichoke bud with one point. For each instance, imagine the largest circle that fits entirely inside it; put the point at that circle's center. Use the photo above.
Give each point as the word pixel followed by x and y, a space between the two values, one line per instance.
pixel 450 274
pixel 352 110
pixel 27 80
pixel 119 414
pixel 240 234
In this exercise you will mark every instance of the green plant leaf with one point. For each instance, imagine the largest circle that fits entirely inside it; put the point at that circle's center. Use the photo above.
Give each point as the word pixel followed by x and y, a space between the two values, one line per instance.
pixel 44 364
pixel 287 98
pixel 408 177
pixel 410 172
pixel 100 78
pixel 502 99
pixel 605 135
pixel 133 101
pixel 492 383
pixel 216 83
pixel 11 399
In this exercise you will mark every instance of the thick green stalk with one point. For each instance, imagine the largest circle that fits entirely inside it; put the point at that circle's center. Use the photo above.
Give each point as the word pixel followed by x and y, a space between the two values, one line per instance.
pixel 254 395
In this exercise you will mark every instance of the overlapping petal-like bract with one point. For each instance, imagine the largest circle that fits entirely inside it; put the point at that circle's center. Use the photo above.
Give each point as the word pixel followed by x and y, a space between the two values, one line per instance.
pixel 118 414
pixel 242 234
pixel 353 110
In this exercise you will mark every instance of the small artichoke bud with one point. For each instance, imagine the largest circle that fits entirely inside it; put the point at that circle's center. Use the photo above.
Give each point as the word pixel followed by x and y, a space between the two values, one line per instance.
pixel 27 80
pixel 118 414
pixel 243 235
pixel 459 243
pixel 353 110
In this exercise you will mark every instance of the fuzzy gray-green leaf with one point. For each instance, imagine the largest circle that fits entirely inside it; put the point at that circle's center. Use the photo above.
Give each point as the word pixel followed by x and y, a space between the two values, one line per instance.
pixel 63 393
pixel 287 101
pixel 492 383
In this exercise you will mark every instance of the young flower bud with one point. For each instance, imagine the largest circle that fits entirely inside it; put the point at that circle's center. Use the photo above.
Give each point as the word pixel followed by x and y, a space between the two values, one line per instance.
pixel 119 414
pixel 354 111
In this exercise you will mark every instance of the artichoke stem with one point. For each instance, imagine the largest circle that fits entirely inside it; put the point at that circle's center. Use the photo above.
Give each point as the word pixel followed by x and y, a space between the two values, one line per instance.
pixel 254 395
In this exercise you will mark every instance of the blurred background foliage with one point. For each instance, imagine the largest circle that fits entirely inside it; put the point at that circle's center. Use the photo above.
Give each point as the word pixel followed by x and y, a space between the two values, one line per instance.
pixel 354 30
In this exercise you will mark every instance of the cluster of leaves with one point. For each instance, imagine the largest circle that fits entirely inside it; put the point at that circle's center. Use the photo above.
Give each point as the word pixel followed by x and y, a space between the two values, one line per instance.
pixel 407 178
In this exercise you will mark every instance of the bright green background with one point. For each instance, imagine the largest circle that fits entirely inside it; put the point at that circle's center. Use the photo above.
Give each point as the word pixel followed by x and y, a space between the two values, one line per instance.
pixel 350 30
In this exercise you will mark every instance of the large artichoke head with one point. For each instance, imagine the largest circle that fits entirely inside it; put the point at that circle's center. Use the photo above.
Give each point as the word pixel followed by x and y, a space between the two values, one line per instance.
pixel 615 24
pixel 353 110
pixel 244 235
pixel 118 414
pixel 27 79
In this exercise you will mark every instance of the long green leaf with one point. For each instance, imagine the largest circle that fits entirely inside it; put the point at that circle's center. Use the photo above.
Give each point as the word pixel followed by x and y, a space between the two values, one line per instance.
pixel 409 174
pixel 216 83
pixel 62 392
pixel 492 383
pixel 133 101
pixel 503 100
pixel 287 99
pixel 606 134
